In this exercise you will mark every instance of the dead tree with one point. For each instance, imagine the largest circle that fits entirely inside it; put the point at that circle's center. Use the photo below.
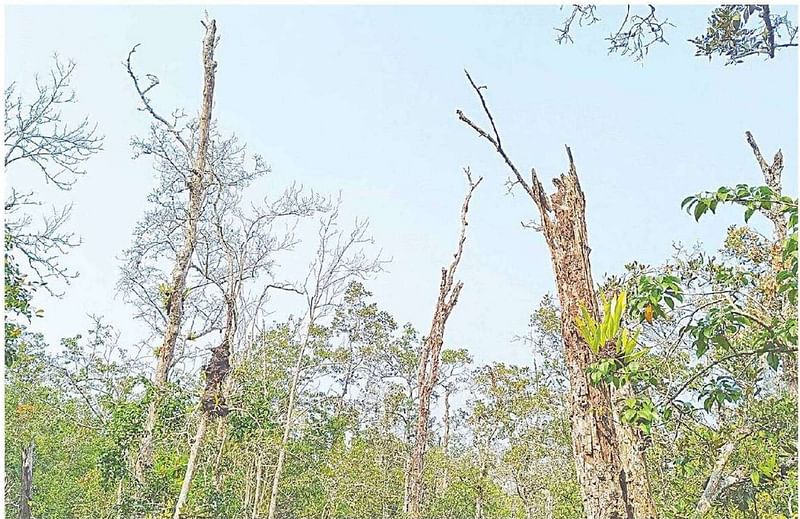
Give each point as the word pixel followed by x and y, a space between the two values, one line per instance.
pixel 196 183
pixel 613 485
pixel 236 248
pixel 772 178
pixel 430 359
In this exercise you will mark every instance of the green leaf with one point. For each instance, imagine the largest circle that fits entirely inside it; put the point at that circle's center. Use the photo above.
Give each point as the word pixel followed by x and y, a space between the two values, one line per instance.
pixel 699 209
pixel 772 360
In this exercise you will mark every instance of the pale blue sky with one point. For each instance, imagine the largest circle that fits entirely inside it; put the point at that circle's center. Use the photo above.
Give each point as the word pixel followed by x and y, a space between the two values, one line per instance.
pixel 363 99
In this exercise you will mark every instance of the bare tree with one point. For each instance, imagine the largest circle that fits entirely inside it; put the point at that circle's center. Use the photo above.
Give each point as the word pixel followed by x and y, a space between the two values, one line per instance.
pixel 37 134
pixel 339 259
pixel 430 358
pixel 236 248
pixel 634 37
pixel 604 475
pixel 197 179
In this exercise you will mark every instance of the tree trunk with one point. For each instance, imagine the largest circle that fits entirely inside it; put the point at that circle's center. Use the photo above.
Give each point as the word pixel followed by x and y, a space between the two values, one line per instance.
pixel 714 479
pixel 190 465
pixel 631 453
pixel 601 472
pixel 287 429
pixel 428 371
pixel 26 483
pixel 177 285
pixel 772 177
pixel 594 439
pixel 446 439
pixel 257 496
pixel 212 403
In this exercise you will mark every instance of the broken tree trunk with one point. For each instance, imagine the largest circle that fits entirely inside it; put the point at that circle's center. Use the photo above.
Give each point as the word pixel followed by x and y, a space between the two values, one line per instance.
pixel 26 483
pixel 197 186
pixel 428 370
pixel 606 478
pixel 772 178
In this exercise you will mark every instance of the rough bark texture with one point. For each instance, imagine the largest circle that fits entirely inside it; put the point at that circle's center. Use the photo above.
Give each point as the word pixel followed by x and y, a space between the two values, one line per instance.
pixel 197 187
pixel 26 483
pixel 594 440
pixel 607 480
pixel 631 453
pixel 430 358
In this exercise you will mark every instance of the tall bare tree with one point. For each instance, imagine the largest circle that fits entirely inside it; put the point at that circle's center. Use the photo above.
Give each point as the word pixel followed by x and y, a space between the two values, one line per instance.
pixel 235 248
pixel 339 259
pixel 612 476
pixel 430 358
pixel 36 134
pixel 197 176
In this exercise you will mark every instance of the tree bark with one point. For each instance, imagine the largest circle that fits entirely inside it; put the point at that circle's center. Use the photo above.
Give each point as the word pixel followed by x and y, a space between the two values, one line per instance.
pixel 190 465
pixel 602 475
pixel 631 453
pixel 197 188
pixel 26 483
pixel 594 438
pixel 212 402
pixel 713 486
pixel 257 496
pixel 446 439
pixel 428 370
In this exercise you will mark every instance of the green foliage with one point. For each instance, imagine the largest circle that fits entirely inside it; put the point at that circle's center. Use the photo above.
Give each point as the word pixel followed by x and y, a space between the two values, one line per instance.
pixel 608 331
pixel 737 31
pixel 653 294
pixel 18 296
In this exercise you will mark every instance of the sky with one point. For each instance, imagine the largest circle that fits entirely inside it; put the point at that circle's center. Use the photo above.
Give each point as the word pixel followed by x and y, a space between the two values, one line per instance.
pixel 362 100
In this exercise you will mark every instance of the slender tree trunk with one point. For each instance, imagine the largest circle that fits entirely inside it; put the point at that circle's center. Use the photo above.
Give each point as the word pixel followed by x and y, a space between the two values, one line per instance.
pixel 406 487
pixel 428 371
pixel 177 285
pixel 212 403
pixel 287 428
pixel 190 465
pixel 714 479
pixel 247 485
pixel 446 439
pixel 26 483
pixel 257 497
